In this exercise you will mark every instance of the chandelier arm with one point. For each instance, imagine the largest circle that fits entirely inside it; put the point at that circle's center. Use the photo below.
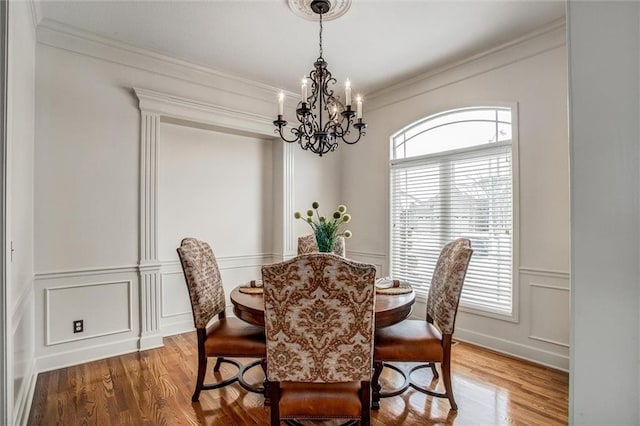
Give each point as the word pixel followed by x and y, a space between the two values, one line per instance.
pixel 294 131
pixel 360 126
pixel 360 135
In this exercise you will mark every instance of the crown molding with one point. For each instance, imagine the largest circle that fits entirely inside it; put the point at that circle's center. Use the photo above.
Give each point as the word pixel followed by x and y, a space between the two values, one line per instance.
pixel 62 36
pixel 543 39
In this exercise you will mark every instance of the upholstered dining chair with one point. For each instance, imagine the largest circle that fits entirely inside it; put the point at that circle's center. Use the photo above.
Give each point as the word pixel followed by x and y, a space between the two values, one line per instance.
pixel 426 341
pixel 225 338
pixel 308 244
pixel 319 313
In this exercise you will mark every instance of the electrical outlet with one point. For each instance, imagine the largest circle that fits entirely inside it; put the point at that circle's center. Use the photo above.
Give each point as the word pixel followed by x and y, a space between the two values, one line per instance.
pixel 78 326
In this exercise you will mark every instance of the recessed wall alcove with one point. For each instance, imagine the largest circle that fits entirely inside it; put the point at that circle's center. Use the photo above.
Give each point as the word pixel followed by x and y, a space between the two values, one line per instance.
pixel 212 173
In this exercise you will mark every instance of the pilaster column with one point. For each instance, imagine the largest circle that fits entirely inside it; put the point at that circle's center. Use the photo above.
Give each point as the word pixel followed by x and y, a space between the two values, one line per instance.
pixel 289 242
pixel 149 265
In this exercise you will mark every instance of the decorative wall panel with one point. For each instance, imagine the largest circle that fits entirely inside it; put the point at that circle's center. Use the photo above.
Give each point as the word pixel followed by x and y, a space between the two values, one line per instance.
pixel 549 314
pixel 105 308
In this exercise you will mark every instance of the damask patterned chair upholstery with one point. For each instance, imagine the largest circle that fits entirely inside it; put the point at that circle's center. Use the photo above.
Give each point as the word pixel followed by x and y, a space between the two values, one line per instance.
pixel 427 341
pixel 227 337
pixel 319 319
pixel 308 244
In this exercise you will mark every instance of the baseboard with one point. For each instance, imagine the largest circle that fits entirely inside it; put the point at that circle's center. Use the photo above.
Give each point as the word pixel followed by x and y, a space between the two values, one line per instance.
pixel 150 342
pixel 178 328
pixel 517 350
pixel 87 354
pixel 21 413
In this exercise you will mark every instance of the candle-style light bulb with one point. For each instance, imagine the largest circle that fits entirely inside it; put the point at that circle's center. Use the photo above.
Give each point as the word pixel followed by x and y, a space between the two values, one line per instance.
pixel 280 103
pixel 347 92
pixel 359 107
pixel 304 89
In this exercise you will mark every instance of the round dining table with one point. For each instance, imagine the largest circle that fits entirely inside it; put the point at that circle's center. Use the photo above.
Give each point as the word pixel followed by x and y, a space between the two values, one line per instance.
pixel 390 308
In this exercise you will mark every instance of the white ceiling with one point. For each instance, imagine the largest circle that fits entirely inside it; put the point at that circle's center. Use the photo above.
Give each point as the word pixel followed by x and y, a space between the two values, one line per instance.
pixel 375 44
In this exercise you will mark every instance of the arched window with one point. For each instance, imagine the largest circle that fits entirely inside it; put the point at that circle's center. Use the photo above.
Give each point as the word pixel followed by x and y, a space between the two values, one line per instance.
pixel 452 176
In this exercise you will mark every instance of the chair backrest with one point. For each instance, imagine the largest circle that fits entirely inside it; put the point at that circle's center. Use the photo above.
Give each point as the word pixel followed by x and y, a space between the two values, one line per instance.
pixel 319 312
pixel 446 284
pixel 203 280
pixel 308 244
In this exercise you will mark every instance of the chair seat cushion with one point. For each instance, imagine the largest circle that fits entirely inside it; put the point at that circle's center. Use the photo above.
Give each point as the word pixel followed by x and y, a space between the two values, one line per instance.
pixel 319 400
pixel 232 337
pixel 408 341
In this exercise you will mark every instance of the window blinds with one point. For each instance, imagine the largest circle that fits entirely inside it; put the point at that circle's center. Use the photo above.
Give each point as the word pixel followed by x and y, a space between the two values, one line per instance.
pixel 464 193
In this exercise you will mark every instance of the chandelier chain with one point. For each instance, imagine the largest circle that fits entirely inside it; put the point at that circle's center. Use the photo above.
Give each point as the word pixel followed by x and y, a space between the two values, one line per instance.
pixel 320 35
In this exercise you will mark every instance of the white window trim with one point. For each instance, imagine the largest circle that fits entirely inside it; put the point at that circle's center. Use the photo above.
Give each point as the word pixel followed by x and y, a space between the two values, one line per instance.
pixel 514 317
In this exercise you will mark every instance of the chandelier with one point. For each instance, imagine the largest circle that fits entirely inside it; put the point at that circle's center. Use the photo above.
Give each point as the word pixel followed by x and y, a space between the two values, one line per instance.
pixel 324 120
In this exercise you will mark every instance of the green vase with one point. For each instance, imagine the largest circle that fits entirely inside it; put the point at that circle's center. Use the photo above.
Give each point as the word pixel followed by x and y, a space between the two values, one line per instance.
pixel 325 240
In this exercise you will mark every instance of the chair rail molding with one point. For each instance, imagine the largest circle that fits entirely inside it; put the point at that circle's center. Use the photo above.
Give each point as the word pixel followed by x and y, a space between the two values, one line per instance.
pixel 156 107
pixel 547 273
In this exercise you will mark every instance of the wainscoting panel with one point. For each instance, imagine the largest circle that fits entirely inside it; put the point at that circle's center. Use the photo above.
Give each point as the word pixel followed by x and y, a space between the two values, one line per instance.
pixel 549 314
pixel 105 308
pixel 106 299
pixel 175 298
pixel 175 311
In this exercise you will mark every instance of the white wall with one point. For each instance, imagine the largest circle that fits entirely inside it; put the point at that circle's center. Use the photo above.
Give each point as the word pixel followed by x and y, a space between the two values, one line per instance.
pixel 532 72
pixel 21 111
pixel 235 217
pixel 317 179
pixel 88 191
pixel 604 110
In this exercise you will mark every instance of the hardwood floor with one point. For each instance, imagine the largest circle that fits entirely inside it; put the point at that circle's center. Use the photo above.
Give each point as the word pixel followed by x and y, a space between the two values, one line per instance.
pixel 154 388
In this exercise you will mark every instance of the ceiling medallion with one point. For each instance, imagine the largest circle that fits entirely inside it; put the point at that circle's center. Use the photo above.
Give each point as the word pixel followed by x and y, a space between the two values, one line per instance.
pixel 322 118
pixel 303 9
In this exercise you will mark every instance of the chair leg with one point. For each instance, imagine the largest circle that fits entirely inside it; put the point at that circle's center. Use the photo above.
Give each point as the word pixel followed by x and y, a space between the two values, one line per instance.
pixel 365 403
pixel 216 367
pixel 446 376
pixel 274 391
pixel 375 385
pixel 202 370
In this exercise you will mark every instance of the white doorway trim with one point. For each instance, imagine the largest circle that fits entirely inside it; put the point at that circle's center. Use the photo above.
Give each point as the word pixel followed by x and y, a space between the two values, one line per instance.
pixel 156 107
pixel 6 382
